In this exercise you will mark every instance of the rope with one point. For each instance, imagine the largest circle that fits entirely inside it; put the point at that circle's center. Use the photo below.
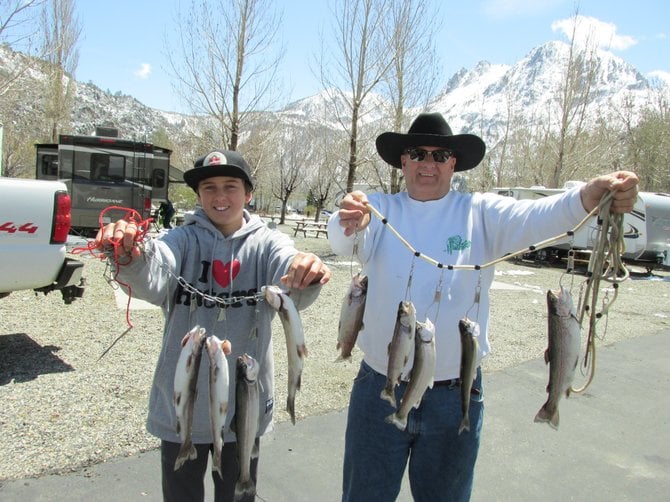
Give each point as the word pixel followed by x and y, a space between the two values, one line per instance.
pixel 605 264
pixel 130 216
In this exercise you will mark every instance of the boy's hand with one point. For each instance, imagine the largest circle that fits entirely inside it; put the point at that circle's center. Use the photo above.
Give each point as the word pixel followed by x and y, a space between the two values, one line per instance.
pixel 306 269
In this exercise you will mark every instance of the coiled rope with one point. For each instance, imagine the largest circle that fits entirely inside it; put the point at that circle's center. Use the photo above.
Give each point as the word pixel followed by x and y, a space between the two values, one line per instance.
pixel 605 264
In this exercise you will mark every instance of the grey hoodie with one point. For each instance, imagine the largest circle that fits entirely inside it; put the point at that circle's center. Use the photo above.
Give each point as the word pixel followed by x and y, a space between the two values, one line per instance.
pixel 234 266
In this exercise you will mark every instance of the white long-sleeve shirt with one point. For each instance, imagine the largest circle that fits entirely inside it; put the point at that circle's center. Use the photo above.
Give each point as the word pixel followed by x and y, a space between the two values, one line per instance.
pixel 459 229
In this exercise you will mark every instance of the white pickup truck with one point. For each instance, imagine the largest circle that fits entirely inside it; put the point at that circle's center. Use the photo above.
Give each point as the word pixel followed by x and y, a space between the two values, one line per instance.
pixel 34 226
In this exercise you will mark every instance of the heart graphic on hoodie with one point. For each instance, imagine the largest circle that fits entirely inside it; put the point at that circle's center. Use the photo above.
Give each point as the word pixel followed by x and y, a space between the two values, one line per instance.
pixel 222 272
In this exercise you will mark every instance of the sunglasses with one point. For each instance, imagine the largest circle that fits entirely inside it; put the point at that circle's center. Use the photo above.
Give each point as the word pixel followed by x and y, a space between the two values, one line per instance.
pixel 419 154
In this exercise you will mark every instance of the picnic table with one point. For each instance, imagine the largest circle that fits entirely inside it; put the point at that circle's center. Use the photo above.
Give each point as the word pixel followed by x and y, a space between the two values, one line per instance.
pixel 304 226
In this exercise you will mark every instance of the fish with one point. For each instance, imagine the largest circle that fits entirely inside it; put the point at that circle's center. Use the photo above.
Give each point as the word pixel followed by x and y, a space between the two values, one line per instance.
pixel 469 331
pixel 400 349
pixel 218 394
pixel 562 354
pixel 351 316
pixel 185 391
pixel 245 422
pixel 295 341
pixel 423 371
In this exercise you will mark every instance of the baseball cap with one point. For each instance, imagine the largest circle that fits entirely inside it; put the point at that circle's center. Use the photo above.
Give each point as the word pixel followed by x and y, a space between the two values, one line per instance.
pixel 218 163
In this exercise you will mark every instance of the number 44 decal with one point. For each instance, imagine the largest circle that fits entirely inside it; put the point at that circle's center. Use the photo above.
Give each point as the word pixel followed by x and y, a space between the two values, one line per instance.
pixel 11 228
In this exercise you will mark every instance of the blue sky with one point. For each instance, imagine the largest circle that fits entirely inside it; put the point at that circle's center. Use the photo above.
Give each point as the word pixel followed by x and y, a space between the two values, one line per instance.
pixel 122 45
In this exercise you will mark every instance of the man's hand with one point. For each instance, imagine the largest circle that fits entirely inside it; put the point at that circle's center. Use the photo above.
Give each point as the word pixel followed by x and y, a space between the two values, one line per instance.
pixel 354 213
pixel 624 184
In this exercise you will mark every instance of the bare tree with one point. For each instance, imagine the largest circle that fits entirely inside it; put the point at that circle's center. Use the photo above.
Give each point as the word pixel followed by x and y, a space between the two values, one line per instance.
pixel 289 175
pixel 411 49
pixel 17 28
pixel 573 97
pixel 360 63
pixel 61 31
pixel 326 162
pixel 224 62
pixel 648 146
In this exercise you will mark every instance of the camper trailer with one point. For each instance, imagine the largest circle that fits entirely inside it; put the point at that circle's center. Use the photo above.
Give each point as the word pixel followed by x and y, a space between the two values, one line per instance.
pixel 646 228
pixel 102 171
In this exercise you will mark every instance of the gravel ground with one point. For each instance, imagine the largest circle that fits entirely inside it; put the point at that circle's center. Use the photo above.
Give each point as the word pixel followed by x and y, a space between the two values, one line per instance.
pixel 62 408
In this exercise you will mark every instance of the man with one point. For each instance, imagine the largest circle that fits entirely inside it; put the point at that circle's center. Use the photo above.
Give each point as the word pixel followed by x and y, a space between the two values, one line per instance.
pixel 220 253
pixel 166 212
pixel 455 229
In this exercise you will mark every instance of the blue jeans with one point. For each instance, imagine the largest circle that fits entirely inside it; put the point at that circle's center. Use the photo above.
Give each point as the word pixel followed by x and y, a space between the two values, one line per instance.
pixel 441 462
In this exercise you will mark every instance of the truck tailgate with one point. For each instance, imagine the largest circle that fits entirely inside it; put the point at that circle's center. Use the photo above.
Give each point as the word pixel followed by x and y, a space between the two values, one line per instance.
pixel 28 259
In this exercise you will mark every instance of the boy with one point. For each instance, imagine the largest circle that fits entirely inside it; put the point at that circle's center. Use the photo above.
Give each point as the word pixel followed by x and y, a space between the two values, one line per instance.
pixel 208 272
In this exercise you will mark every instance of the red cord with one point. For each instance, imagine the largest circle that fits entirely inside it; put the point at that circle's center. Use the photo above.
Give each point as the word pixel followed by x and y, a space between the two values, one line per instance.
pixel 130 216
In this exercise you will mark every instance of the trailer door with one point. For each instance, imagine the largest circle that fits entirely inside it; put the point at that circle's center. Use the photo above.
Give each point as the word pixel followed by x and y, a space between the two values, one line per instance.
pixel 157 171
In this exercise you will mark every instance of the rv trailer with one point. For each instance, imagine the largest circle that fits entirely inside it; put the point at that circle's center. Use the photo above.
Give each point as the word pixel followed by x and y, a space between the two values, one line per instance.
pixel 101 171
pixel 646 228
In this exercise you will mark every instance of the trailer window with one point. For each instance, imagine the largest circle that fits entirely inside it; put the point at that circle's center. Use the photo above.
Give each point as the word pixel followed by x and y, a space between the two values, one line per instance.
pixel 158 178
pixel 105 167
pixel 117 167
pixel 49 165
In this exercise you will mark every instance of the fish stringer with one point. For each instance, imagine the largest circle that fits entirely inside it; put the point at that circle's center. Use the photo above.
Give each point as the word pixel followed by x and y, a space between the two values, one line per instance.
pixel 437 298
pixel 354 254
pixel 408 291
pixel 477 299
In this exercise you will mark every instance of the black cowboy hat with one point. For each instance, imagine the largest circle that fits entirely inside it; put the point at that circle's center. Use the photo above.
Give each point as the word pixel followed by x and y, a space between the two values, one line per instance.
pixel 218 163
pixel 430 129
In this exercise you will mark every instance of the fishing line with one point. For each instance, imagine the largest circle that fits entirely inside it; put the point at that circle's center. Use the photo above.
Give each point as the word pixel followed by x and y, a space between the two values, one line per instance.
pixel 104 353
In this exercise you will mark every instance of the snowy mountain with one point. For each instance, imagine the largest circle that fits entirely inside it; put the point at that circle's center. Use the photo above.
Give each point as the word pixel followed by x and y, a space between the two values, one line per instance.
pixel 483 99
pixel 480 100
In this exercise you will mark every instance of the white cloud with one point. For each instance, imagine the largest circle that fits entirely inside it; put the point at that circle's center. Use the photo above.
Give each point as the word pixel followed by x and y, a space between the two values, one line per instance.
pixel 143 71
pixel 663 76
pixel 591 31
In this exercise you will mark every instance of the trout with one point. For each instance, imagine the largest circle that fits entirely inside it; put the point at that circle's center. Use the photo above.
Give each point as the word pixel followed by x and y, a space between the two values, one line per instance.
pixel 245 422
pixel 218 394
pixel 185 391
pixel 469 349
pixel 295 341
pixel 562 354
pixel 400 349
pixel 423 370
pixel 351 316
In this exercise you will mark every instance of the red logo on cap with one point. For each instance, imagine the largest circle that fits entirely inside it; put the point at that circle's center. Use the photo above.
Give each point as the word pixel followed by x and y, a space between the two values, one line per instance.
pixel 214 160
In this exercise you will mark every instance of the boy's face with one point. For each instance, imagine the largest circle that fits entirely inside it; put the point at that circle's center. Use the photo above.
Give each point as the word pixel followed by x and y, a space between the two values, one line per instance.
pixel 223 198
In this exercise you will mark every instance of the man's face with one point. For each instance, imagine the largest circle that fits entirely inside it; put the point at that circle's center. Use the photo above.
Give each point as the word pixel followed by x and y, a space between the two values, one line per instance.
pixel 427 179
pixel 223 199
